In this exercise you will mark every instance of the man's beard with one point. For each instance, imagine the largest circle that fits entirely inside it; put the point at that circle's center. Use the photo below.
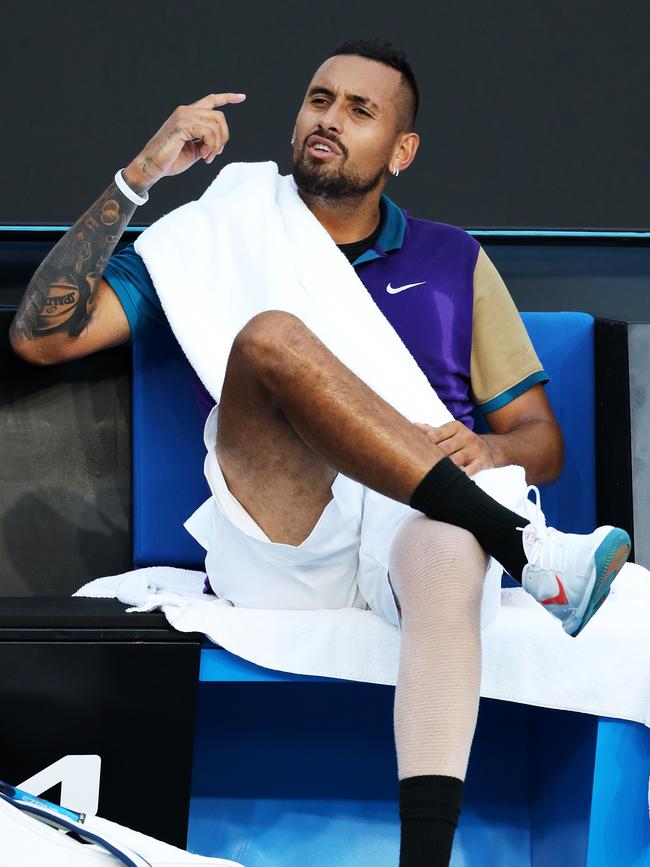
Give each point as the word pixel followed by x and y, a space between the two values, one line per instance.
pixel 318 180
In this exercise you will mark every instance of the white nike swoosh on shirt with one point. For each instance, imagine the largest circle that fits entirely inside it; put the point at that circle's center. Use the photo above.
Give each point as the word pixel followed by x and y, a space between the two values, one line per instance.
pixel 396 289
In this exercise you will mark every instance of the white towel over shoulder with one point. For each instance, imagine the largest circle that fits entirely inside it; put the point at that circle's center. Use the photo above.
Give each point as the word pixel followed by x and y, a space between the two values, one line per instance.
pixel 250 244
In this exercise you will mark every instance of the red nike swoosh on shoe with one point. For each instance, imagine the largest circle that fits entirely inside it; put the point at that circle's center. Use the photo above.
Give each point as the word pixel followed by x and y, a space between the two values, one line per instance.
pixel 560 599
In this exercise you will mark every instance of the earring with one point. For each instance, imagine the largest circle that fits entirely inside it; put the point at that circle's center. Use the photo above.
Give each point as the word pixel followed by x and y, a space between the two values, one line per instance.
pixel 395 171
pixel 293 141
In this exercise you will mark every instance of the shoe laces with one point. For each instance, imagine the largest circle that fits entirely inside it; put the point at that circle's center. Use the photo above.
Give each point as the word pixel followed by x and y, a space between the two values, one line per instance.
pixel 533 511
pixel 546 548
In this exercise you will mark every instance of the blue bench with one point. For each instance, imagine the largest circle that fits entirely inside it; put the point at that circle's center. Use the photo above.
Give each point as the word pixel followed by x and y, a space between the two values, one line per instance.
pixel 294 770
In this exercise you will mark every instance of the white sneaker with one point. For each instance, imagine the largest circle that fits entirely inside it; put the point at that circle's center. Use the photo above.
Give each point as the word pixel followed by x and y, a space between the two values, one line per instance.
pixel 570 574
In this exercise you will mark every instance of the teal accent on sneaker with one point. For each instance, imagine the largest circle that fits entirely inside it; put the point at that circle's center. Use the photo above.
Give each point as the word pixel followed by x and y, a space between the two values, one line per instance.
pixel 610 557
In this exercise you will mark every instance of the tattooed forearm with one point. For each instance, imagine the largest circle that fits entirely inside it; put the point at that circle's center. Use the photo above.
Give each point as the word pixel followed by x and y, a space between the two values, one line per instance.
pixel 60 296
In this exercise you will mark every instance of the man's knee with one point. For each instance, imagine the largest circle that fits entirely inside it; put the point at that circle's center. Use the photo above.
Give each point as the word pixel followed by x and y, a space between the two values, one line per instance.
pixel 268 336
pixel 427 558
pixel 420 537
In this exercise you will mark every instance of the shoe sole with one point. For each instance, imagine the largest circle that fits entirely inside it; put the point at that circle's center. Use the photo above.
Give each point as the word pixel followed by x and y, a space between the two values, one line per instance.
pixel 610 557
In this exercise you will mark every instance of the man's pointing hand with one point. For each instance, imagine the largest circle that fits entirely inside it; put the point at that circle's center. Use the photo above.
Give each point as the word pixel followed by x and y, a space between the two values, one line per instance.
pixel 196 131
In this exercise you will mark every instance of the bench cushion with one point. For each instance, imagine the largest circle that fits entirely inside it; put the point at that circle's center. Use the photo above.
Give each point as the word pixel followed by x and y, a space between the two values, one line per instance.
pixel 168 451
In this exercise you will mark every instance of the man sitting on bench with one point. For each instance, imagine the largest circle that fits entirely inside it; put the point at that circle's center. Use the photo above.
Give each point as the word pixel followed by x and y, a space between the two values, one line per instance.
pixel 295 425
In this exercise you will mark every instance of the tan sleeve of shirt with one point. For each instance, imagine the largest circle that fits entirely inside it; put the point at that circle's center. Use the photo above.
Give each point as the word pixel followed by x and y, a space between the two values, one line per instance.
pixel 503 363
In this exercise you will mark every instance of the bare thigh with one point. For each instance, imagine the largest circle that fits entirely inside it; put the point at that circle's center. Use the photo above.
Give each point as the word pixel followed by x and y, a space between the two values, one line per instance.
pixel 281 482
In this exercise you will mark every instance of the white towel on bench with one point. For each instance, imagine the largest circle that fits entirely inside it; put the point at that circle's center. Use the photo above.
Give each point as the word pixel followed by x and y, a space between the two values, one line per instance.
pixel 527 657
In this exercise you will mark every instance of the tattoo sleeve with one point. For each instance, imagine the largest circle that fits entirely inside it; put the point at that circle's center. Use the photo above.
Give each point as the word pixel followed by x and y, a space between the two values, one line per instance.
pixel 60 297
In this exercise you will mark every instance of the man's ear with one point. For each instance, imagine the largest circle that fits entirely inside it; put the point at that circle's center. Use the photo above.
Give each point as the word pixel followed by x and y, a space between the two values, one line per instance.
pixel 407 148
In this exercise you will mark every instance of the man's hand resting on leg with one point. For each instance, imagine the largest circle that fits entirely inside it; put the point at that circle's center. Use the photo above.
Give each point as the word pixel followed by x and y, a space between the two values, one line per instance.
pixel 524 432
pixel 468 450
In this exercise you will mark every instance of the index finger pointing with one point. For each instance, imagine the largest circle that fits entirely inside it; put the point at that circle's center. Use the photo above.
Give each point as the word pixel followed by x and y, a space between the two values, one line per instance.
pixel 215 100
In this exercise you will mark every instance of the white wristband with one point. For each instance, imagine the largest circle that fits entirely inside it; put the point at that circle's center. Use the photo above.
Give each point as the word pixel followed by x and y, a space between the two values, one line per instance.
pixel 123 187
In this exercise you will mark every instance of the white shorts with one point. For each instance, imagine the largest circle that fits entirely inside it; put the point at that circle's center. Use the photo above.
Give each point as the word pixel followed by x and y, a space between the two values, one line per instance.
pixel 246 568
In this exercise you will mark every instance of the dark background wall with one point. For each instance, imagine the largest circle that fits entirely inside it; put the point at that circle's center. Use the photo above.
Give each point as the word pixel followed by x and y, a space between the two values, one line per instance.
pixel 65 470
pixel 534 113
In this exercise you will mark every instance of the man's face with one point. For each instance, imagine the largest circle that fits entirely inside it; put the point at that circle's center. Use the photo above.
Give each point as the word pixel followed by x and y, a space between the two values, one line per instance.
pixel 346 129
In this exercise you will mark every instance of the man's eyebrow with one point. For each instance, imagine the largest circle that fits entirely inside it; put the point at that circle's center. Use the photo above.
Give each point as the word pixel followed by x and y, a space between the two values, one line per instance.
pixel 359 100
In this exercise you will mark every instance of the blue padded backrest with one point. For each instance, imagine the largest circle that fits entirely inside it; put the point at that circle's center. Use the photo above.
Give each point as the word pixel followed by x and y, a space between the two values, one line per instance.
pixel 565 345
pixel 168 454
pixel 168 451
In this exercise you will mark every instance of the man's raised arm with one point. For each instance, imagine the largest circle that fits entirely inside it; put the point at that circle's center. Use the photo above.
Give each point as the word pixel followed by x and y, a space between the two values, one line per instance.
pixel 68 309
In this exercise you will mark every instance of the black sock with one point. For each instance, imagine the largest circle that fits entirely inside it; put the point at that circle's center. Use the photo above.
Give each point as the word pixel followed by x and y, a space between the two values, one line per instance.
pixel 429 807
pixel 447 494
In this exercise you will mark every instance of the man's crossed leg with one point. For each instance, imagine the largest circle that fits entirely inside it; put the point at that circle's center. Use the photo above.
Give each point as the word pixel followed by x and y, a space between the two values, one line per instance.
pixel 292 416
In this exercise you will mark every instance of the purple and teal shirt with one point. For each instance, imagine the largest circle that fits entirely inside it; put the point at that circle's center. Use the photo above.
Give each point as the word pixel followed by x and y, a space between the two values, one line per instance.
pixel 440 292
